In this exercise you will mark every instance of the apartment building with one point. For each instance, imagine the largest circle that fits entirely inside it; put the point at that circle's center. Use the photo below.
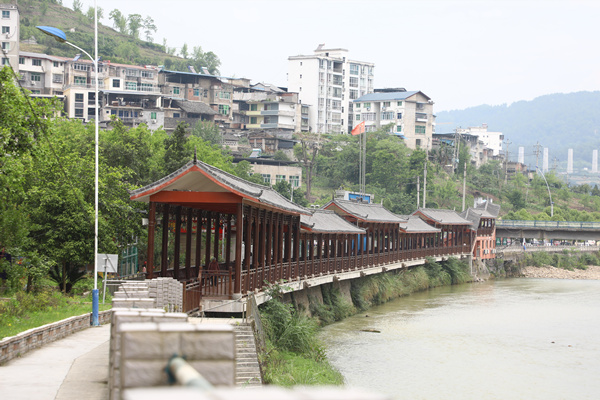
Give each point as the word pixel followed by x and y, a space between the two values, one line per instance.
pixel 9 21
pixel 409 114
pixel 492 140
pixel 328 81
pixel 42 74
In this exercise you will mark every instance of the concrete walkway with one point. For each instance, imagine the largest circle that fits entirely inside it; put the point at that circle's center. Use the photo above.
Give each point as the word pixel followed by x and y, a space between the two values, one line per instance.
pixel 75 367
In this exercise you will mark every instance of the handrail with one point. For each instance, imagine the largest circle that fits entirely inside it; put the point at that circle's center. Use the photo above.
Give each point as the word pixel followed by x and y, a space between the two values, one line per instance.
pixel 547 224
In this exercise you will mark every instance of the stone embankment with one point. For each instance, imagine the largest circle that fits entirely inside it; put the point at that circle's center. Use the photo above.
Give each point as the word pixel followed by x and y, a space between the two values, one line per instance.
pixel 592 272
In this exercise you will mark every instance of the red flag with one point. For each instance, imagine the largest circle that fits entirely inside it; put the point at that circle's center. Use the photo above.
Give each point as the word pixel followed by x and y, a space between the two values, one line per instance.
pixel 358 129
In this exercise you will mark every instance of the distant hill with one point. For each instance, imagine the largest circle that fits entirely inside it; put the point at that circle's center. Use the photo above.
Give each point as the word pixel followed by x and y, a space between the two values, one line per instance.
pixel 557 121
pixel 112 45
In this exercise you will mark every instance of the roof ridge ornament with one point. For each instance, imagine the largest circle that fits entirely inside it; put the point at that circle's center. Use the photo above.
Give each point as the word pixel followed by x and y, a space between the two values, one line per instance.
pixel 195 155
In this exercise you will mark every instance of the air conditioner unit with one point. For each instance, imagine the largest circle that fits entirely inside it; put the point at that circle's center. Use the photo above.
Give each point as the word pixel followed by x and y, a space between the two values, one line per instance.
pixel 141 114
pixel 153 121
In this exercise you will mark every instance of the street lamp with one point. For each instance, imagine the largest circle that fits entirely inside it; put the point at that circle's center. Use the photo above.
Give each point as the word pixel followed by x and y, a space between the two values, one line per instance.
pixel 549 195
pixel 61 37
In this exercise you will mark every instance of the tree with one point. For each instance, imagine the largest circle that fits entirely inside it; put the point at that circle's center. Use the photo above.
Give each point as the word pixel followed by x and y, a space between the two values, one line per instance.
pixel 134 23
pixel 306 151
pixel 208 60
pixel 176 151
pixel 77 6
pixel 208 131
pixel 119 20
pixel 184 51
pixel 90 13
pixel 149 28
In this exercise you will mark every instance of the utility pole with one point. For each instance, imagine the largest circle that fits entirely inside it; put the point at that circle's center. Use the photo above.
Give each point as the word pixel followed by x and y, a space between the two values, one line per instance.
pixel 425 185
pixel 464 186
pixel 508 143
pixel 456 148
pixel 554 164
pixel 418 190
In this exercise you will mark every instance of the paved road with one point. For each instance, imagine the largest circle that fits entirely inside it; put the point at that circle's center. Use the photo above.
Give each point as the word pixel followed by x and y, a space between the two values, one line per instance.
pixel 73 368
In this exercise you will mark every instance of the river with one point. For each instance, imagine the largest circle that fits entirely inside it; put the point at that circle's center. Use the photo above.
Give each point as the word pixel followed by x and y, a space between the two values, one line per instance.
pixel 506 339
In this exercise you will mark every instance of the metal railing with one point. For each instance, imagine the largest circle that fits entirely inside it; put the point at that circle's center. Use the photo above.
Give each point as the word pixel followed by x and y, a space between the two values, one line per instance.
pixel 547 224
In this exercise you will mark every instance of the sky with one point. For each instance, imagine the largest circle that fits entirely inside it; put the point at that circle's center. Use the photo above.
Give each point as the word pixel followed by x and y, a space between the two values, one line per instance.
pixel 459 53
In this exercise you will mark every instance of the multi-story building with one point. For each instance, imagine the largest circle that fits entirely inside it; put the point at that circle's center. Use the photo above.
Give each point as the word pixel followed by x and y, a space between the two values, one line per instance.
pixel 9 37
pixel 328 81
pixel 408 115
pixel 42 74
pixel 491 140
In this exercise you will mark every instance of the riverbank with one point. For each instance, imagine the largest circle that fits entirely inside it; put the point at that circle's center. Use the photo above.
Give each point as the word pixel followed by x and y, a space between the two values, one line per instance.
pixel 592 272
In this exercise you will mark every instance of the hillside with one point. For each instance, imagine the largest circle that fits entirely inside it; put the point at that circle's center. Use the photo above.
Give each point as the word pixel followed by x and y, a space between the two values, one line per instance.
pixel 112 44
pixel 557 121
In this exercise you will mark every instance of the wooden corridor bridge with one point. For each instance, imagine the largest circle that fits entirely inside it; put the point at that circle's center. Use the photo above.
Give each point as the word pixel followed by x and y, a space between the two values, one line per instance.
pixel 259 237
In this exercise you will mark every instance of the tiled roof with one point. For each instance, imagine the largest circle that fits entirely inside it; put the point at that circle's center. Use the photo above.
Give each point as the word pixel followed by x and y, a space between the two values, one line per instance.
pixel 417 225
pixel 493 209
pixel 446 217
pixel 474 215
pixel 326 221
pixel 190 178
pixel 364 211
pixel 387 96
pixel 195 107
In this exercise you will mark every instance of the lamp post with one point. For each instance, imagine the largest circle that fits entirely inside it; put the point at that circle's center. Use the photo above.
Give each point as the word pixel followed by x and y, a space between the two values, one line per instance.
pixel 61 37
pixel 549 195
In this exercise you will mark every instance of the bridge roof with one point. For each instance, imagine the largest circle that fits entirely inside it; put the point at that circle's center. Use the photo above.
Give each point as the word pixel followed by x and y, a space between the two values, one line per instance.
pixel 493 209
pixel 201 184
pixel 363 211
pixel 444 217
pixel 326 221
pixel 474 215
pixel 415 224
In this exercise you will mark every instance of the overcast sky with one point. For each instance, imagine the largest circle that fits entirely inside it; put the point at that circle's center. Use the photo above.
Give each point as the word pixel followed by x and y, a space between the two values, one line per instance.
pixel 459 53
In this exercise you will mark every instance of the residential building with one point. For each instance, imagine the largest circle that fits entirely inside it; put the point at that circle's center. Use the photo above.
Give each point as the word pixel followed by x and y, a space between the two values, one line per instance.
pixel 491 140
pixel 408 115
pixel 274 171
pixel 42 74
pixel 329 81
pixel 9 37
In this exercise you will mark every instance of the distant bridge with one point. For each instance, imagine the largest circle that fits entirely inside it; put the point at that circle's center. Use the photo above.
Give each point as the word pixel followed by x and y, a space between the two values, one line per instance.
pixel 564 230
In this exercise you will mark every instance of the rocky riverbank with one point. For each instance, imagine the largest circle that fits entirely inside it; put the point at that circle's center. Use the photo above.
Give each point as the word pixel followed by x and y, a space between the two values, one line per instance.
pixel 592 272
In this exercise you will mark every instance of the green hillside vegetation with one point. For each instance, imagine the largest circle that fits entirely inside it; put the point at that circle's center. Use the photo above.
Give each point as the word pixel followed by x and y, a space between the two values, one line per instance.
pixel 122 43
pixel 557 121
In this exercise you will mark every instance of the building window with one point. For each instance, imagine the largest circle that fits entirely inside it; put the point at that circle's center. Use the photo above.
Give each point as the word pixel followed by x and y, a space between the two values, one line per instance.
pixel 6 46
pixel 56 64
pixel 79 97
pixel 5 61
pixel 176 115
pixel 353 94
pixel 253 120
pixel 399 104
pixel 36 77
pixel 6 29
pixel 398 128
pixel 368 116
pixel 81 67
pixel 57 78
pixel 153 115
pixel 196 92
pixel 175 90
pixel 279 178
pixel 79 113
pixel 5 14
pixel 223 109
pixel 420 129
pixel 224 95
pixel 357 105
pixel 418 142
pixel 36 92
pixel 353 81
pixel 354 68
pixel 253 107
pixel 116 83
pixel 387 115
pixel 132 72
pixel 22 60
pixel 36 62
pixel 146 87
pixel 357 117
pixel 386 103
pixel 147 74
pixel 295 181
pixel 399 116
pixel 130 85
pixel 267 178
pixel 80 80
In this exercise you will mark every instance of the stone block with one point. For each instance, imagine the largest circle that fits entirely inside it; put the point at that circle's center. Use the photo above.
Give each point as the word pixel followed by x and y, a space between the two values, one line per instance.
pixel 200 345
pixel 143 373
pixel 218 373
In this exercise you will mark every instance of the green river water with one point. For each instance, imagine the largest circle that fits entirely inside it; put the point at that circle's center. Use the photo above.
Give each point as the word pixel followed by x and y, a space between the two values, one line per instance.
pixel 506 339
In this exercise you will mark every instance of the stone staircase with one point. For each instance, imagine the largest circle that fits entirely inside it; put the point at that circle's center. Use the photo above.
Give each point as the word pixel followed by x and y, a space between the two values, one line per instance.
pixel 247 367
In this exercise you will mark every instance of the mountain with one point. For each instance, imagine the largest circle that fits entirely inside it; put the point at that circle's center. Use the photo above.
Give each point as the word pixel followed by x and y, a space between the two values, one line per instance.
pixel 558 121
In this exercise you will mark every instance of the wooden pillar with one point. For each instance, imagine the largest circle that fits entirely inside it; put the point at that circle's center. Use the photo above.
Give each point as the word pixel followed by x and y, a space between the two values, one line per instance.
pixel 164 260
pixel 207 242
pixel 217 223
pixel 269 251
pixel 320 252
pixel 247 244
pixel 255 237
pixel 296 244
pixel 188 243
pixel 276 241
pixel 239 237
pixel 151 234
pixel 176 256
pixel 228 243
pixel 198 260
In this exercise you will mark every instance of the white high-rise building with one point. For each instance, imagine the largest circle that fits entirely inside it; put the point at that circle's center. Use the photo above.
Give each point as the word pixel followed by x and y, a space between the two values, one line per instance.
pixel 328 81
pixel 545 160
pixel 9 21
pixel 570 161
pixel 521 155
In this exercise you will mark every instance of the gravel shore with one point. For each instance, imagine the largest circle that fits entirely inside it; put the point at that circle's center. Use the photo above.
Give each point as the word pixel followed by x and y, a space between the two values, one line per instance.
pixel 592 272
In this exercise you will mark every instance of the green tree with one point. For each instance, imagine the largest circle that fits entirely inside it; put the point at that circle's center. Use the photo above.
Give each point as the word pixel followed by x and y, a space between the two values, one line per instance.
pixel 77 6
pixel 134 23
pixel 208 131
pixel 90 13
pixel 119 20
pixel 149 28
pixel 177 152
pixel 184 51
